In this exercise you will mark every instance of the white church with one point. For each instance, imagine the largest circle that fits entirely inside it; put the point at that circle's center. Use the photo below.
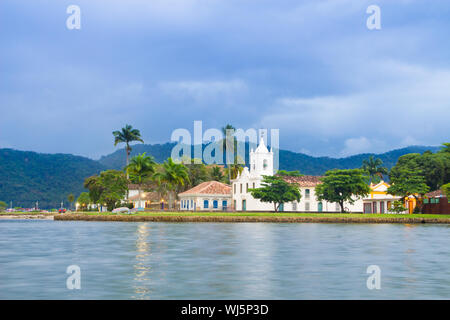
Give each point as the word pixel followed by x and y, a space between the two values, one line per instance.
pixel 216 196
pixel 261 163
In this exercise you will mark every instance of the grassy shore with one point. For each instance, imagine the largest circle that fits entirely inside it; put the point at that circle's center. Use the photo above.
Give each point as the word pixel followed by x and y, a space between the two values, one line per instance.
pixel 256 217
pixel 167 216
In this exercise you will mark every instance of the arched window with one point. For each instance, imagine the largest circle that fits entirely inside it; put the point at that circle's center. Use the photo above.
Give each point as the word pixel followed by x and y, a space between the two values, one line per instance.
pixel 265 164
pixel 205 204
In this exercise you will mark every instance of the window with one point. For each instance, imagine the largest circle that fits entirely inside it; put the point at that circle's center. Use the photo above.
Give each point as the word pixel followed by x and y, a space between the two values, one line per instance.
pixel 338 207
pixel 265 164
pixel 381 207
pixel 320 207
pixel 234 188
pixel 307 193
pixel 234 204
pixel 205 204
pixel 215 204
pixel 244 205
pixel 224 204
pixel 246 187
pixel 241 187
pixel 294 206
pixel 425 200
pixel 253 185
pixel 307 206
pixel 374 207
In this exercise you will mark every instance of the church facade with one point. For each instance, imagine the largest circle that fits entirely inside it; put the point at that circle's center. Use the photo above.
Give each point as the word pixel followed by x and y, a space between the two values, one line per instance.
pixel 261 163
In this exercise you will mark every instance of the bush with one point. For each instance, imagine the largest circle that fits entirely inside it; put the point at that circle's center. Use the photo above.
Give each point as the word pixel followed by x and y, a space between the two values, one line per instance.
pixel 397 207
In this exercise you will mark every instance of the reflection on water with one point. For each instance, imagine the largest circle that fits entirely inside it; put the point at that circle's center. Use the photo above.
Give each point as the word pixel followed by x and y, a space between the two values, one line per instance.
pixel 222 260
pixel 142 266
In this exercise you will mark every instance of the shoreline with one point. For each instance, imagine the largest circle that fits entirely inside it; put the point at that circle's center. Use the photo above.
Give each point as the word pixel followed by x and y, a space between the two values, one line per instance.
pixel 27 216
pixel 240 219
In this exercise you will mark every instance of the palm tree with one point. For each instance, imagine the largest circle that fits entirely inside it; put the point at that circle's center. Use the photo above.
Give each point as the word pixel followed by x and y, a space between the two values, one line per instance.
pixel 141 168
pixel 127 135
pixel 172 177
pixel 374 168
pixel 216 173
pixel 71 199
pixel 229 144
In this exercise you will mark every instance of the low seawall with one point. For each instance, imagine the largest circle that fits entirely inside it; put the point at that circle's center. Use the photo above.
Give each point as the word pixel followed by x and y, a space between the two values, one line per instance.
pixel 27 216
pixel 161 218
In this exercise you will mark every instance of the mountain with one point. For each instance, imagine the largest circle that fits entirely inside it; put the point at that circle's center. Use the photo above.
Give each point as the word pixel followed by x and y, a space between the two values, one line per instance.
pixel 288 160
pixel 27 177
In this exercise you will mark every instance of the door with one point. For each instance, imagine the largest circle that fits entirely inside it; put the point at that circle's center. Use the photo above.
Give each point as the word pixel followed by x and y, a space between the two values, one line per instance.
pixel 244 205
pixel 320 207
pixel 367 208
pixel 382 207
pixel 281 207
pixel 374 207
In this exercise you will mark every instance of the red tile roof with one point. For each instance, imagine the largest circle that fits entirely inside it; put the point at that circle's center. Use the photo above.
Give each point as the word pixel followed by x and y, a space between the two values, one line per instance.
pixel 435 194
pixel 304 181
pixel 209 187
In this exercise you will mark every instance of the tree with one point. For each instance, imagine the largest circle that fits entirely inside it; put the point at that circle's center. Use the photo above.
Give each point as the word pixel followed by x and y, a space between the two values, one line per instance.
pixel 284 173
pixel 84 200
pixel 445 148
pixel 95 189
pixel 374 168
pixel 3 206
pixel 446 190
pixel 109 188
pixel 216 174
pixel 229 144
pixel 406 182
pixel 342 186
pixel 434 167
pixel 171 177
pixel 197 172
pixel 127 135
pixel 71 199
pixel 140 169
pixel 277 191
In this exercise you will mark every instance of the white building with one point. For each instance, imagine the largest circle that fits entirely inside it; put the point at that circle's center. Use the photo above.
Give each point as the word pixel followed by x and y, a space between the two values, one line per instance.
pixel 261 163
pixel 207 196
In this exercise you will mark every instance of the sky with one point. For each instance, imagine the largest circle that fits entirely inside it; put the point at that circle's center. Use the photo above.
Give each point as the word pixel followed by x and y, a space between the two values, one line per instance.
pixel 311 69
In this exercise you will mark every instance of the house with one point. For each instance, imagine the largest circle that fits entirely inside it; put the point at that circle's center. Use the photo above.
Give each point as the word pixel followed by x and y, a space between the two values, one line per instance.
pixel 379 201
pixel 207 196
pixel 436 202
pixel 149 200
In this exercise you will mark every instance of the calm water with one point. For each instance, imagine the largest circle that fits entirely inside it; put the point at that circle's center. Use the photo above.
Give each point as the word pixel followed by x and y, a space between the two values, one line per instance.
pixel 222 260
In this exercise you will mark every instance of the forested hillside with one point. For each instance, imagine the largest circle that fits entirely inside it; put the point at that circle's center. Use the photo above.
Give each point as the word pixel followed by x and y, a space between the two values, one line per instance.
pixel 27 177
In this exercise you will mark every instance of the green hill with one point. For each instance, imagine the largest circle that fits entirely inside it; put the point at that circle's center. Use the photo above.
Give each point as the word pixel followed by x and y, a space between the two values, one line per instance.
pixel 288 160
pixel 26 177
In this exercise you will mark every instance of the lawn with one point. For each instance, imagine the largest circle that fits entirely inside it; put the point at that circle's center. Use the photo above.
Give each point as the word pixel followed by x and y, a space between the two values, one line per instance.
pixel 280 214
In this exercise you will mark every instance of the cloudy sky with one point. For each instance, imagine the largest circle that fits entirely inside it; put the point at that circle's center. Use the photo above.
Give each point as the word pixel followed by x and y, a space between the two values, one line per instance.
pixel 309 68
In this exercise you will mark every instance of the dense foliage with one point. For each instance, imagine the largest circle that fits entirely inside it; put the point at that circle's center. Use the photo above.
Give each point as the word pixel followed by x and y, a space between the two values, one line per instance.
pixel 342 186
pixel 277 191
pixel 433 167
pixel 27 177
pixel 109 188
